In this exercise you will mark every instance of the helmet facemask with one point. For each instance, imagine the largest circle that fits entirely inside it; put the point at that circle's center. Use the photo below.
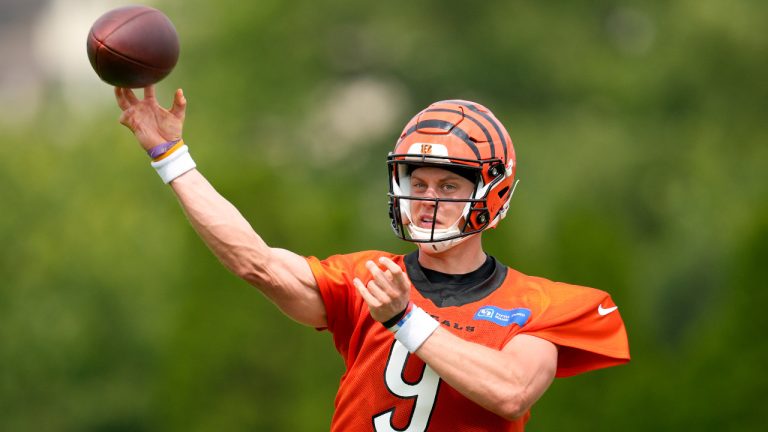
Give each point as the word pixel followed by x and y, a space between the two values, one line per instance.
pixel 473 218
pixel 459 136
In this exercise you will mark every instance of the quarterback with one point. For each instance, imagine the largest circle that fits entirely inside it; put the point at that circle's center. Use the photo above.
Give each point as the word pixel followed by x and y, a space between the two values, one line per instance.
pixel 446 338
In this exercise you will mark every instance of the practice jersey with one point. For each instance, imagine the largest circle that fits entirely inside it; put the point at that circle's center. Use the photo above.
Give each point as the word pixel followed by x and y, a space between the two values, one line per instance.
pixel 386 388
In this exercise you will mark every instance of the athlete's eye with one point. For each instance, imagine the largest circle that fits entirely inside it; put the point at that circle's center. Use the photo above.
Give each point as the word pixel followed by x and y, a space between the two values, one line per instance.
pixel 449 187
pixel 418 186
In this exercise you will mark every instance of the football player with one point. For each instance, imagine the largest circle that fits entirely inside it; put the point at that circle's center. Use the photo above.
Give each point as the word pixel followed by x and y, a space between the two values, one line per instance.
pixel 446 338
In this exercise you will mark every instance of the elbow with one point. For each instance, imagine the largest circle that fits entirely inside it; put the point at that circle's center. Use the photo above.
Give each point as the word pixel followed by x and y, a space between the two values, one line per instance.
pixel 513 404
pixel 513 410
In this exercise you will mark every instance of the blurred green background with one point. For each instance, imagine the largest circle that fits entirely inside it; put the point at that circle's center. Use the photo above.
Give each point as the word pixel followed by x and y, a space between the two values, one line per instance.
pixel 642 150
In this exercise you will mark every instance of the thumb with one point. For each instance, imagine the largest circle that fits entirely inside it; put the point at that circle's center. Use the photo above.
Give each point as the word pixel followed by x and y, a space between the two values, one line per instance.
pixel 179 106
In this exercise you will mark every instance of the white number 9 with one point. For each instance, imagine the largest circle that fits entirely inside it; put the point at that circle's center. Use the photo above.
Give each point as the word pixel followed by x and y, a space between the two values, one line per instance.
pixel 424 390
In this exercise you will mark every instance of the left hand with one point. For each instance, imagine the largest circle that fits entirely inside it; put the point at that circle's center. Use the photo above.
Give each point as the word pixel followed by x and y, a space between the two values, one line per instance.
pixel 388 293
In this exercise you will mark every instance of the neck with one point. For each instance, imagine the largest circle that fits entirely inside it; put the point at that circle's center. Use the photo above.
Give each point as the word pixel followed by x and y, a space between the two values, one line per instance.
pixel 465 257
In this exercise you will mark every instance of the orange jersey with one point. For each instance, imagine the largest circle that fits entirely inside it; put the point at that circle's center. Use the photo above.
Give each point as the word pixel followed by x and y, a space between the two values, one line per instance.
pixel 385 388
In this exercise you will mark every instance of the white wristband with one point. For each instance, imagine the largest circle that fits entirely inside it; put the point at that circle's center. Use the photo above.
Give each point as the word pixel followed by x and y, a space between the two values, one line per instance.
pixel 416 329
pixel 176 164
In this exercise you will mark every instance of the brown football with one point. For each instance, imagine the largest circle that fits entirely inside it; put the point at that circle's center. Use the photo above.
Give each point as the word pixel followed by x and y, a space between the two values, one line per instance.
pixel 133 46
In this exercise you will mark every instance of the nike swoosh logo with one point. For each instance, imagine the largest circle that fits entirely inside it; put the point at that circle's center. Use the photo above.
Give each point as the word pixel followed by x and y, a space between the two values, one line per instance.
pixel 605 311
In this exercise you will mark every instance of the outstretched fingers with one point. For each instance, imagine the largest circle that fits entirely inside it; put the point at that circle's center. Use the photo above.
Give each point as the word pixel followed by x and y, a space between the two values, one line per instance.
pixel 121 101
pixel 179 106
pixel 125 98
pixel 124 102
pixel 149 92
pixel 130 96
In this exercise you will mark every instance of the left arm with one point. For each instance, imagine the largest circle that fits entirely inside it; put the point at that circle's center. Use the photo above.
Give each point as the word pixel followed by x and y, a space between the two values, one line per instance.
pixel 506 382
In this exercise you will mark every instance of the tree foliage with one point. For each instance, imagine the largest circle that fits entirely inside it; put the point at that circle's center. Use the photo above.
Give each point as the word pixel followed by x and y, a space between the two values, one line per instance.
pixel 641 149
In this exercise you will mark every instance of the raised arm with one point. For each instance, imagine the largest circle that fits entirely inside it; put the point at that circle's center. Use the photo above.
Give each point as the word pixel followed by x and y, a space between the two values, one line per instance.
pixel 284 277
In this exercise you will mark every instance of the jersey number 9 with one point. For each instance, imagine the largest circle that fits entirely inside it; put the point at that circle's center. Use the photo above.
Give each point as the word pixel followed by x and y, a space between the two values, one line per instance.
pixel 424 390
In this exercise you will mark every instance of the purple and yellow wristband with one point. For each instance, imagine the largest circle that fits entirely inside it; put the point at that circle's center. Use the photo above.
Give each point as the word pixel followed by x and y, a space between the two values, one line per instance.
pixel 162 151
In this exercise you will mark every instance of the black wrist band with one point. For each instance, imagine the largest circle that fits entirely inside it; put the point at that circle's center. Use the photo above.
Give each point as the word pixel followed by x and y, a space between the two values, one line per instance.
pixel 392 321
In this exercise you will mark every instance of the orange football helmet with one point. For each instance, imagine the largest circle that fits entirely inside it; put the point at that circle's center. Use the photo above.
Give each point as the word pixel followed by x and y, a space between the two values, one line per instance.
pixel 456 135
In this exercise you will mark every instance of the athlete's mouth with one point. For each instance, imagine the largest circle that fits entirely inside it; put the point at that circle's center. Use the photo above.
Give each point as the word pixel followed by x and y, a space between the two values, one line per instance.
pixel 427 222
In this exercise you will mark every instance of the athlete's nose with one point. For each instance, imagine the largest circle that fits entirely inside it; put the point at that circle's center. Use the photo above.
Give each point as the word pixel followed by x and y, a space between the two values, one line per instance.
pixel 430 192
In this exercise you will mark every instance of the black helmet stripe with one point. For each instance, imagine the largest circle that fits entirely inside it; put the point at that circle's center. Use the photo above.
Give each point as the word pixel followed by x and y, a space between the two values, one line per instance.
pixel 488 136
pixel 490 120
pixel 446 126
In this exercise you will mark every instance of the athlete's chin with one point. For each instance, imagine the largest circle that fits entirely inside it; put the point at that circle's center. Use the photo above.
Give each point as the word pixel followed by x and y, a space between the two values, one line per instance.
pixel 430 249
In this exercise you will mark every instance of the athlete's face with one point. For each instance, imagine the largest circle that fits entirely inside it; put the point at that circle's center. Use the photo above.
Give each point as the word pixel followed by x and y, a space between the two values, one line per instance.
pixel 431 182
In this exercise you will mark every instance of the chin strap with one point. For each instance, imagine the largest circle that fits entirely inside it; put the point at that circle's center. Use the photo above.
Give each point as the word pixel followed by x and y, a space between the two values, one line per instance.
pixel 444 245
